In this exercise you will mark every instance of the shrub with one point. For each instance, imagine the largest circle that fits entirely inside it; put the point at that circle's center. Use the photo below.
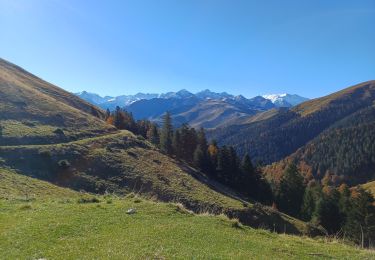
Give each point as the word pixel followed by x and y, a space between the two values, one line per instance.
pixel 64 164
pixel 59 131
pixel 45 153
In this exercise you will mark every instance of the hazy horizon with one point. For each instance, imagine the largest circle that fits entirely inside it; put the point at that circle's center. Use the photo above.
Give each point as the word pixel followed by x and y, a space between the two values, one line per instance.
pixel 242 47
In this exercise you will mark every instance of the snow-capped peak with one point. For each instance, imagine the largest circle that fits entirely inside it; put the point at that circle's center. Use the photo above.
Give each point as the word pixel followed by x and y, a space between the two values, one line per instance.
pixel 285 100
pixel 274 97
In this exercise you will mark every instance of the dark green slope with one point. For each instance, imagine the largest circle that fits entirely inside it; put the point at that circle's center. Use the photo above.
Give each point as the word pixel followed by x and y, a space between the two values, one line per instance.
pixel 337 125
pixel 346 150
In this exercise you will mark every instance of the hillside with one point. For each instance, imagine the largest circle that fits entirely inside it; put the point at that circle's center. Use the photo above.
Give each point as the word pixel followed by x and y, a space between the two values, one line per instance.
pixel 334 133
pixel 214 113
pixel 103 160
pixel 207 113
pixel 33 111
pixel 111 164
pixel 59 220
pixel 15 186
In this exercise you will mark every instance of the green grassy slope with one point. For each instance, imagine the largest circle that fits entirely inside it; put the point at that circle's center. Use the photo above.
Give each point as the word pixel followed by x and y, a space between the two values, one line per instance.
pixel 61 227
pixel 33 111
pixel 15 186
pixel 124 163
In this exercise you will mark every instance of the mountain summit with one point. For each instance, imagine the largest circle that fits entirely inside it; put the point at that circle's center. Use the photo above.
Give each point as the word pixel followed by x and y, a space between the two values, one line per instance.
pixel 285 100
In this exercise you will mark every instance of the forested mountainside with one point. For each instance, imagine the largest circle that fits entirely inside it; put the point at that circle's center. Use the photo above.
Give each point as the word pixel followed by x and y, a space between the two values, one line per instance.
pixel 33 111
pixel 334 133
pixel 346 150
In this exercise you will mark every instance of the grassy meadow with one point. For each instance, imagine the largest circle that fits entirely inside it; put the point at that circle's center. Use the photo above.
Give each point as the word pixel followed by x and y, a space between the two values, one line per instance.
pixel 57 223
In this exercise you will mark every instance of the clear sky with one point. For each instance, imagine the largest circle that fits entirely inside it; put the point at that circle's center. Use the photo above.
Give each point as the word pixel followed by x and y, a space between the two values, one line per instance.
pixel 310 48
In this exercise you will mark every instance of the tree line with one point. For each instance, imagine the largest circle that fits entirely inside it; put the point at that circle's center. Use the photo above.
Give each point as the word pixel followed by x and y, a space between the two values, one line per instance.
pixel 349 213
pixel 190 145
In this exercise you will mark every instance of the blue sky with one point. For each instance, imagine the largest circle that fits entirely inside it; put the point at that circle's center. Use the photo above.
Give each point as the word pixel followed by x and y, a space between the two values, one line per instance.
pixel 311 48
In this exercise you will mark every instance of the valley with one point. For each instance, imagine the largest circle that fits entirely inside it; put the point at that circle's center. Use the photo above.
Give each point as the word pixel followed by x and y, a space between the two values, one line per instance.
pixel 77 169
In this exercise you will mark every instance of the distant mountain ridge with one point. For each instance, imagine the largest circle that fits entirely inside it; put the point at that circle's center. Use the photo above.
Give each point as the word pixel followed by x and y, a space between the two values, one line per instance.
pixel 203 109
pixel 110 102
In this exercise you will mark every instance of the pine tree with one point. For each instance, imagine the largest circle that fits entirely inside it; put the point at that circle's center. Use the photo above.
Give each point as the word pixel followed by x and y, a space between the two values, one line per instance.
pixel 344 201
pixel 188 142
pixel 107 114
pixel 360 221
pixel 327 212
pixel 152 134
pixel 310 198
pixel 291 191
pixel 223 164
pixel 176 144
pixel 199 158
pixel 201 139
pixel 166 134
pixel 203 145
pixel 213 152
pixel 119 118
pixel 247 180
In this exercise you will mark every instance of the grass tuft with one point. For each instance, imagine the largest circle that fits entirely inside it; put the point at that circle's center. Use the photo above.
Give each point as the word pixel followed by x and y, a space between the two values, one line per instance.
pixel 83 200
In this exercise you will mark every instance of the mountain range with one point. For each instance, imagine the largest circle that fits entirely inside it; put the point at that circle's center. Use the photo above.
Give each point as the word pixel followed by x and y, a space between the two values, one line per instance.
pixel 203 109
pixel 110 102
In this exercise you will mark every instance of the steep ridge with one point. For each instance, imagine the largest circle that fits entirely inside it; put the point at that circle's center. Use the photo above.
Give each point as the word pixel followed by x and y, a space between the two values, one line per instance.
pixel 33 111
